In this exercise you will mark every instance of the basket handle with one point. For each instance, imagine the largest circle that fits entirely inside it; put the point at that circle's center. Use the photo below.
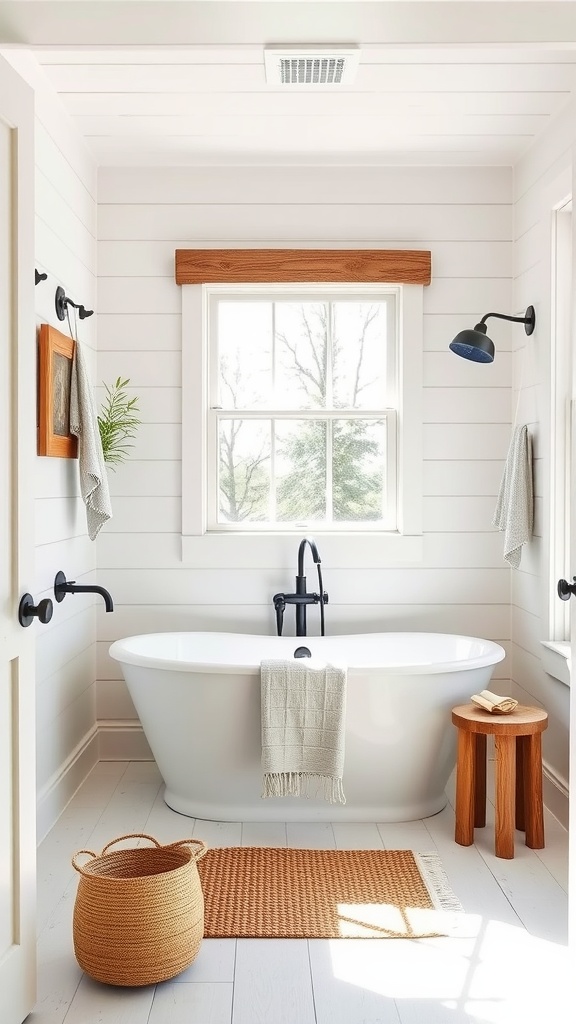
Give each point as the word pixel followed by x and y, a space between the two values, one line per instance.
pixel 201 850
pixel 131 835
pixel 78 867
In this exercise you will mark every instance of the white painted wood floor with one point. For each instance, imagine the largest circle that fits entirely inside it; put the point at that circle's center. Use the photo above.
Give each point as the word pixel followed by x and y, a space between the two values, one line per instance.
pixel 509 965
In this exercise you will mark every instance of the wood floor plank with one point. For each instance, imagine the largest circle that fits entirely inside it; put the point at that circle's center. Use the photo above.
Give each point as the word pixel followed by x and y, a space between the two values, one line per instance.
pixel 198 1003
pixel 272 982
pixel 165 824
pixel 58 973
pixel 310 835
pixel 107 1004
pixel 214 963
pixel 264 833
pixel 357 836
pixel 349 981
pixel 218 833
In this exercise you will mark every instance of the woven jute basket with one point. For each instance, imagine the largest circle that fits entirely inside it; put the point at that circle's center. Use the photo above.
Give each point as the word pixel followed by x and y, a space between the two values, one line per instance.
pixel 139 912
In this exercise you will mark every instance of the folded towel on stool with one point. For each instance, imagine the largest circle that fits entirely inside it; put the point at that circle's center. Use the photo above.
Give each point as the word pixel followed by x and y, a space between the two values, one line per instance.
pixel 494 703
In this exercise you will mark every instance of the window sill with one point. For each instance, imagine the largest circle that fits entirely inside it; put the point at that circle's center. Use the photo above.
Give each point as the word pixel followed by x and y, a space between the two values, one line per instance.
pixel 279 551
pixel 556 659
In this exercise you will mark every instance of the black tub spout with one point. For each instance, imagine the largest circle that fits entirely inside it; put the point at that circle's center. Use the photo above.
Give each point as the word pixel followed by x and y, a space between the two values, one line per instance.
pixel 62 586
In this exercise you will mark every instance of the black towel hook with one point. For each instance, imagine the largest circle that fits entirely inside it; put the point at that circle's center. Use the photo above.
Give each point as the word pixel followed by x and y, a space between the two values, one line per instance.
pixel 61 301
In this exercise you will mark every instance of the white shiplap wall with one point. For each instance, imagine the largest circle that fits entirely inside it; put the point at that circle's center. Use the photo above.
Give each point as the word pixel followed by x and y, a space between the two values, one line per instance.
pixel 65 666
pixel 464 216
pixel 541 180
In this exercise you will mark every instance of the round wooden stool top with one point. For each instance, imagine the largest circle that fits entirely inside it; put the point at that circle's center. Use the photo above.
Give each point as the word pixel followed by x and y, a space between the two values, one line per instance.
pixel 523 721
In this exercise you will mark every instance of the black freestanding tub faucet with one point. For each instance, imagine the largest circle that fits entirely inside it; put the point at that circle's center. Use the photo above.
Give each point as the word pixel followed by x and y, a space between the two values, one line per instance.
pixel 301 597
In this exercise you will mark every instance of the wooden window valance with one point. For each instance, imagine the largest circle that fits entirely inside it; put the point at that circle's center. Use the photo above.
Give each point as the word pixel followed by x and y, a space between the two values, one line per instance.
pixel 255 266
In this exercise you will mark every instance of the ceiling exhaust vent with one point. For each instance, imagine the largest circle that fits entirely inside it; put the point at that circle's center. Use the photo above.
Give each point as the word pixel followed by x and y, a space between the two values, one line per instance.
pixel 310 66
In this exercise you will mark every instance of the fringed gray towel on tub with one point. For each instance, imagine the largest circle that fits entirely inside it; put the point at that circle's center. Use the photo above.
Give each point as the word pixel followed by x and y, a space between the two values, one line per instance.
pixel 514 514
pixel 303 720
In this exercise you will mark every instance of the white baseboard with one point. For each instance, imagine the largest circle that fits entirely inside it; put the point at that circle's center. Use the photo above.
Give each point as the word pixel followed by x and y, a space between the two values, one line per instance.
pixel 555 794
pixel 122 740
pixel 60 788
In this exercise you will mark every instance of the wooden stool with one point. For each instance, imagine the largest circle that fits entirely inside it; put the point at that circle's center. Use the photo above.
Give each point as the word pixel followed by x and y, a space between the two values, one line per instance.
pixel 518 746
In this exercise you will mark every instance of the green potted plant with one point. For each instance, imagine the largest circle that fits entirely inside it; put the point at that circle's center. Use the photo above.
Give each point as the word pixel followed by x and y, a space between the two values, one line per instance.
pixel 118 422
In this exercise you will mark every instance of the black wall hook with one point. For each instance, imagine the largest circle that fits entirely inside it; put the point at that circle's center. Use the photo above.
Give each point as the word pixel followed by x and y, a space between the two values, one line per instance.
pixel 39 277
pixel 61 301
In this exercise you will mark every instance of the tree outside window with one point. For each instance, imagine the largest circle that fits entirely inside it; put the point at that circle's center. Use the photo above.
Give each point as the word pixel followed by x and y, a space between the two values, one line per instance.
pixel 303 410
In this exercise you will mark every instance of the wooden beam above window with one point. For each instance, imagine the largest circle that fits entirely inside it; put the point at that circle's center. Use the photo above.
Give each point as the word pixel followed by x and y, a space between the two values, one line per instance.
pixel 263 266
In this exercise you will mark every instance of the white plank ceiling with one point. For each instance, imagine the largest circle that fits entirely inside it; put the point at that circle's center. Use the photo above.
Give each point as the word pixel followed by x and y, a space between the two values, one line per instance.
pixel 416 99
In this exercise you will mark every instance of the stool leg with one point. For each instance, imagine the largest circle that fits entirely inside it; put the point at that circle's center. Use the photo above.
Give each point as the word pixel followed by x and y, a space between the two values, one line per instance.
pixel 505 795
pixel 533 792
pixel 520 783
pixel 464 832
pixel 480 781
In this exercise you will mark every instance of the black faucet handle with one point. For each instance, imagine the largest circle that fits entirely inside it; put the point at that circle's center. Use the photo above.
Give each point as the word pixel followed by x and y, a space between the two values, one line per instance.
pixel 279 605
pixel 60 584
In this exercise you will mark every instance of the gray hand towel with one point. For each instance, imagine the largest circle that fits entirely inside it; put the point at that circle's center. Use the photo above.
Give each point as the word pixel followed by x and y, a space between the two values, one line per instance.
pixel 303 718
pixel 84 424
pixel 514 514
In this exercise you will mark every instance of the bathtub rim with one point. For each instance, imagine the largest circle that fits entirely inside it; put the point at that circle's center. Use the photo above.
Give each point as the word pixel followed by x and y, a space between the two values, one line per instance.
pixel 119 652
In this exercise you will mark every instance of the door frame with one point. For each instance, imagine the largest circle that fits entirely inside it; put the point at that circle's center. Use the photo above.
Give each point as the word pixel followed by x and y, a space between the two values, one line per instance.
pixel 17 646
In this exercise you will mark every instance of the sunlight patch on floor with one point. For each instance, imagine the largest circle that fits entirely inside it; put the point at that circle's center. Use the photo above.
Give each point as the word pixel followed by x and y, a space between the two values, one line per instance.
pixel 499 974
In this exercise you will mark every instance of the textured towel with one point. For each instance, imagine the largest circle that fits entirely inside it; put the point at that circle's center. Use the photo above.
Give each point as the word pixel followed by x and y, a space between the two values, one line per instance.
pixel 303 719
pixel 494 703
pixel 514 514
pixel 84 424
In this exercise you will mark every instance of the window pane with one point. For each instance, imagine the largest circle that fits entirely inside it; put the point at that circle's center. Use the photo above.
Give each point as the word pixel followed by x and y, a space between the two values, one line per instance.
pixel 358 464
pixel 302 352
pixel 300 463
pixel 244 479
pixel 245 354
pixel 359 355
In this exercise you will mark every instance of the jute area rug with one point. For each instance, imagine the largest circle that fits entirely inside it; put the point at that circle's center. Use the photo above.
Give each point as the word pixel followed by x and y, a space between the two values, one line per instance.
pixel 265 892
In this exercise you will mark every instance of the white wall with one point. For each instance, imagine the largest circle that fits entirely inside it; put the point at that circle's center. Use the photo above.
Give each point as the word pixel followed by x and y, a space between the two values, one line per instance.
pixel 464 216
pixel 65 668
pixel 541 179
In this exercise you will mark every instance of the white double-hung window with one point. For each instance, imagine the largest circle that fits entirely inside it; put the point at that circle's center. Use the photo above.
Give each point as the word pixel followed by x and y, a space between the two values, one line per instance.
pixel 301 408
pixel 302 417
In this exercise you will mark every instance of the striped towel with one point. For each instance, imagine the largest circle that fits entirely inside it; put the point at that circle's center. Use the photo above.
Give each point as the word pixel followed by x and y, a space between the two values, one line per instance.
pixel 303 719
pixel 514 514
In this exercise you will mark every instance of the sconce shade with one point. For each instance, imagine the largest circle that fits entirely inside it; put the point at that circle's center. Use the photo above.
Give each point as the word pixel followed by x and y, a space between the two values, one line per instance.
pixel 474 345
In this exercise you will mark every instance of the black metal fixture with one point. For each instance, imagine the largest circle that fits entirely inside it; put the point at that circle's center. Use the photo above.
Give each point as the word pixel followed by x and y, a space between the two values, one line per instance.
pixel 39 277
pixel 566 590
pixel 475 345
pixel 62 586
pixel 28 611
pixel 61 301
pixel 302 598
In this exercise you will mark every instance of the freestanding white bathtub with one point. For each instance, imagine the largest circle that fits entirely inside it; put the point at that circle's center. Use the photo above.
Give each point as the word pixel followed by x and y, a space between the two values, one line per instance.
pixel 198 699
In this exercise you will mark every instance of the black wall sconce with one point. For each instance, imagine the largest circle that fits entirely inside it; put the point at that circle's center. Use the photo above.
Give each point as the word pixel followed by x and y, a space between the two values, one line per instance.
pixel 39 277
pixel 62 302
pixel 477 346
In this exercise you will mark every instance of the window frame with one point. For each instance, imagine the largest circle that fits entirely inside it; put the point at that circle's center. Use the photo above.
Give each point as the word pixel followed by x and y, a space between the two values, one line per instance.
pixel 200 544
pixel 216 413
pixel 560 419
